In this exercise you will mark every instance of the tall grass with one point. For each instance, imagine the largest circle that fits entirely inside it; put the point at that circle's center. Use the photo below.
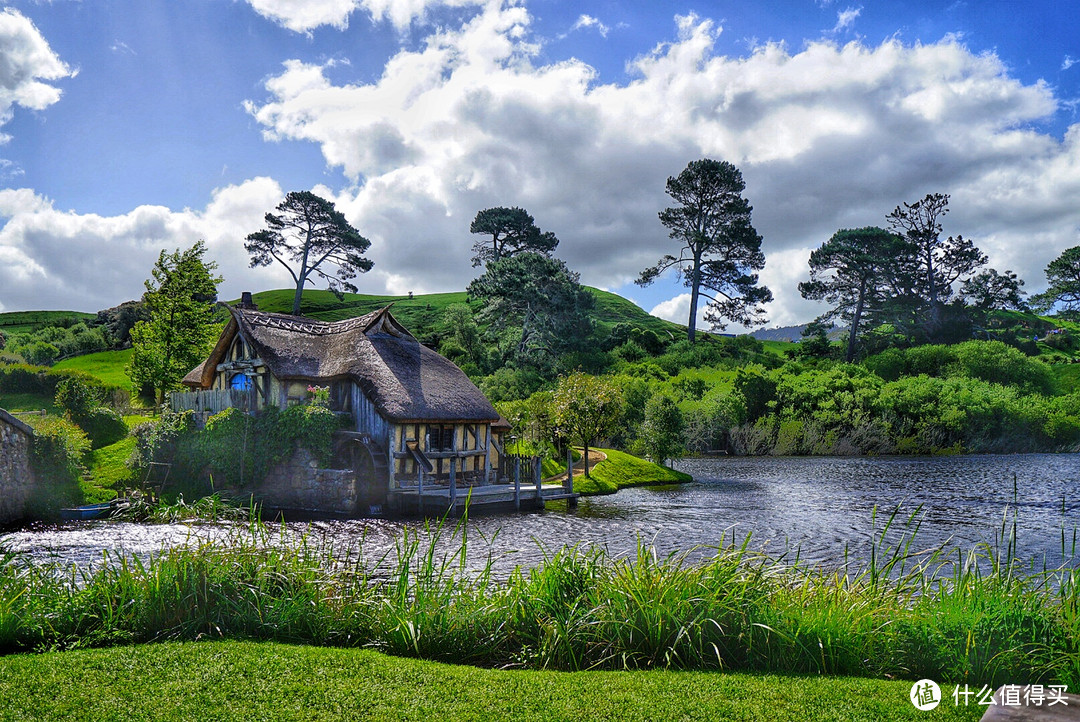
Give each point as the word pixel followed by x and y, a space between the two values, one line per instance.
pixel 977 616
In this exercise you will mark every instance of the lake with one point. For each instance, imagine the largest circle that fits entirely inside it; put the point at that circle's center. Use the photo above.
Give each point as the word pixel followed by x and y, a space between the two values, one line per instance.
pixel 818 506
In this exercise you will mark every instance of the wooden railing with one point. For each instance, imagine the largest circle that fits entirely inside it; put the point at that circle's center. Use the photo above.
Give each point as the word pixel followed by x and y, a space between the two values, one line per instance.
pixel 212 401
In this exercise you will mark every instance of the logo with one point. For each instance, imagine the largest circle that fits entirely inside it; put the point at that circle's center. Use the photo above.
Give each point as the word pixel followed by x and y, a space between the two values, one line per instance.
pixel 925 695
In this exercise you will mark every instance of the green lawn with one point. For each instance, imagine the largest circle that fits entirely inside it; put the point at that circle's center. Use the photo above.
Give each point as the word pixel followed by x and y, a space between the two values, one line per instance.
pixel 108 470
pixel 621 470
pixel 106 365
pixel 270 681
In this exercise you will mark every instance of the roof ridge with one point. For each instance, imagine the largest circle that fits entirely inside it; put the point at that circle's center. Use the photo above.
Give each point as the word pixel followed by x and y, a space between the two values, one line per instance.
pixel 303 324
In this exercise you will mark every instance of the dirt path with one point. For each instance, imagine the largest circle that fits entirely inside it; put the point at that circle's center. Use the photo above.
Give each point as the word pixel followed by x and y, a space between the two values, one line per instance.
pixel 595 457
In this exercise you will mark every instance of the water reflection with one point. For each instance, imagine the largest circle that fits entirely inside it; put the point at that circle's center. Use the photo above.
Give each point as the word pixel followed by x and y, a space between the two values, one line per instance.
pixel 820 506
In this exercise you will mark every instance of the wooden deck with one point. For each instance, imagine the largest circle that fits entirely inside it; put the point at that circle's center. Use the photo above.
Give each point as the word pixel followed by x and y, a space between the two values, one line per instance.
pixel 437 500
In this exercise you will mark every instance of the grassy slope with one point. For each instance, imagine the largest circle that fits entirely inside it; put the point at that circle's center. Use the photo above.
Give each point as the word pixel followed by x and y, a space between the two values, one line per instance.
pixel 24 321
pixel 421 313
pixel 621 470
pixel 106 365
pixel 248 680
pixel 12 401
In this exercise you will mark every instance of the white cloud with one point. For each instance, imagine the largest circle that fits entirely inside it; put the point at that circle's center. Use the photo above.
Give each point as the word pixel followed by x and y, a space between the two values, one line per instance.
pixel 831 136
pixel 588 21
pixel 846 18
pixel 303 16
pixel 677 310
pixel 52 259
pixel 1068 62
pixel 27 65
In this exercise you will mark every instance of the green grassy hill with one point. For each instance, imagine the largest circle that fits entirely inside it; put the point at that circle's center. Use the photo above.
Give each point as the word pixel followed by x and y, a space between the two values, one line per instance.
pixel 422 313
pixel 26 321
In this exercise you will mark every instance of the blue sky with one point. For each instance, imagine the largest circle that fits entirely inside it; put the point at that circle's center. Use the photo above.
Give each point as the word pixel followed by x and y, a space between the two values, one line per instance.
pixel 131 126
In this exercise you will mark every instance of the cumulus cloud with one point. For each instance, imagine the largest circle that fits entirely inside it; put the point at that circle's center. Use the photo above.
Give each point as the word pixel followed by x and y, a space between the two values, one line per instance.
pixel 831 136
pixel 53 259
pixel 27 65
pixel 303 16
pixel 1068 62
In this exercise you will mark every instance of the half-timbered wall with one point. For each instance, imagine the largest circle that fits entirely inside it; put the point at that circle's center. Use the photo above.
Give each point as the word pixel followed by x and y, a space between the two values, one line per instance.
pixel 469 450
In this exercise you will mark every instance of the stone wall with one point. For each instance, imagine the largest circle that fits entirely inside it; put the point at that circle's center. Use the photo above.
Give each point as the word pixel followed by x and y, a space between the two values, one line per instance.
pixel 300 485
pixel 16 478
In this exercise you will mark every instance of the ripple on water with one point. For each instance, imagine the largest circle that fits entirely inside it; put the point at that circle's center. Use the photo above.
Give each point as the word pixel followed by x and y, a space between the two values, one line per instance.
pixel 819 505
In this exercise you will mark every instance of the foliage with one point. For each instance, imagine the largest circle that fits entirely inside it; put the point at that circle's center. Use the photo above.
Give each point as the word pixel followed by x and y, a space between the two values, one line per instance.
pixel 236 449
pixel 584 409
pixel 179 299
pixel 923 284
pixel 1063 276
pixel 851 271
pixel 462 338
pixel 662 430
pixel 57 459
pixel 992 291
pixel 511 384
pixel 117 322
pixel 76 398
pixel 719 248
pixel 314 236
pixel 539 296
pixel 512 231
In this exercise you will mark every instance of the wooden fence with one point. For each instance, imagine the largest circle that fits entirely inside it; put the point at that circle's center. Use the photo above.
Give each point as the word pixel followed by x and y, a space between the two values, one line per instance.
pixel 212 401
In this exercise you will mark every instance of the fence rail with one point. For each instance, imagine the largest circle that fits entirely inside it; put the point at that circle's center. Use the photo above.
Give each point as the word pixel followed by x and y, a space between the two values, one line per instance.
pixel 212 401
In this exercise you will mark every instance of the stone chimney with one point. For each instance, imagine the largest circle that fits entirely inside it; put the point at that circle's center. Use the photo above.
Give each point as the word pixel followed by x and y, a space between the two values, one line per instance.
pixel 246 303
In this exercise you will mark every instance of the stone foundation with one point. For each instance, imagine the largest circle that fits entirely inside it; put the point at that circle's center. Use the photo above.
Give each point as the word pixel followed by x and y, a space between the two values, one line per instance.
pixel 300 485
pixel 16 478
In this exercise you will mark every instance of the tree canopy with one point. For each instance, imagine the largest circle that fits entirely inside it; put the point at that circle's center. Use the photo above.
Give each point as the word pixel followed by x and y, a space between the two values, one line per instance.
pixel 1063 274
pixel 720 251
pixel 180 297
pixel 538 295
pixel 852 271
pixel 316 239
pixel 511 231
pixel 586 408
pixel 924 286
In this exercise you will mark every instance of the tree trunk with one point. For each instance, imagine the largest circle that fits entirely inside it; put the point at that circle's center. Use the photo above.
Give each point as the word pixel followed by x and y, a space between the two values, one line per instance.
pixel 302 276
pixel 855 323
pixel 695 283
pixel 585 456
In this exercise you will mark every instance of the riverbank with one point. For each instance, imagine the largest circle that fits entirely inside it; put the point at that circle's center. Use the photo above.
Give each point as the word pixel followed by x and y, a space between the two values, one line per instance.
pixel 264 680
pixel 905 615
pixel 619 470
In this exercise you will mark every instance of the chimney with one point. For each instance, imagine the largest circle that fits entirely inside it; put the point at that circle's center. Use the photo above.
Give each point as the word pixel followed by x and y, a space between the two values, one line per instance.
pixel 246 303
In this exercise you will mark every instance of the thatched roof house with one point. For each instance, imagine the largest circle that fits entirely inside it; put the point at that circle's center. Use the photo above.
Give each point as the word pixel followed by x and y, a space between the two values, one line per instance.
pixel 415 415
pixel 404 380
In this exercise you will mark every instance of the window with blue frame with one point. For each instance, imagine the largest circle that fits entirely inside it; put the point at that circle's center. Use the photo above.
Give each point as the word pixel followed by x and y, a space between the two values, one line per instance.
pixel 241 382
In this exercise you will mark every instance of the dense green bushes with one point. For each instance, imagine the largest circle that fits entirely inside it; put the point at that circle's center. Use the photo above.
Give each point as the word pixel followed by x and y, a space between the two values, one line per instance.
pixel 235 448
pixel 59 449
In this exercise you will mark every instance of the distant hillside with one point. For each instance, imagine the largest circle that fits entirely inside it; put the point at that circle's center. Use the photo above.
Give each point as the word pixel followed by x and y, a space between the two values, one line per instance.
pixel 27 321
pixel 422 313
pixel 792 334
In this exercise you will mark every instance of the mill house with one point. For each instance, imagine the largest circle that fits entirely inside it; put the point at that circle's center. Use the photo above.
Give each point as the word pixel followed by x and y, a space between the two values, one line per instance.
pixel 421 436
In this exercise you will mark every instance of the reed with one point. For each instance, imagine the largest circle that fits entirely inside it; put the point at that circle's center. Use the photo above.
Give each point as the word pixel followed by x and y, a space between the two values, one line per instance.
pixel 977 616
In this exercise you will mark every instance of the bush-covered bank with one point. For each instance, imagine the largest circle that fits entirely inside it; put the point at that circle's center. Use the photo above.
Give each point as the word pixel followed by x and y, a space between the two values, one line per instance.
pixel 247 680
pixel 978 621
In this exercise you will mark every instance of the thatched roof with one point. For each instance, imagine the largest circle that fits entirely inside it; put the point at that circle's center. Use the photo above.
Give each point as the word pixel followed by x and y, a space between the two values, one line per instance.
pixel 403 378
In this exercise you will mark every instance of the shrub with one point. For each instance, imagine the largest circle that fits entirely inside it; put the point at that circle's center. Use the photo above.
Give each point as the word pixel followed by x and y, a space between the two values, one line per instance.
pixel 58 451
pixel 104 426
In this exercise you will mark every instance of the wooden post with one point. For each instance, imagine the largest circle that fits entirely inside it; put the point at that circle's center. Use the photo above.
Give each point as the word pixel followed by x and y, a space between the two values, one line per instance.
pixel 517 483
pixel 537 471
pixel 487 457
pixel 453 483
pixel 571 502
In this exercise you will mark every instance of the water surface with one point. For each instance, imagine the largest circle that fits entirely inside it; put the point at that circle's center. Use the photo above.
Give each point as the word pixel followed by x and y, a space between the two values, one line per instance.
pixel 821 507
